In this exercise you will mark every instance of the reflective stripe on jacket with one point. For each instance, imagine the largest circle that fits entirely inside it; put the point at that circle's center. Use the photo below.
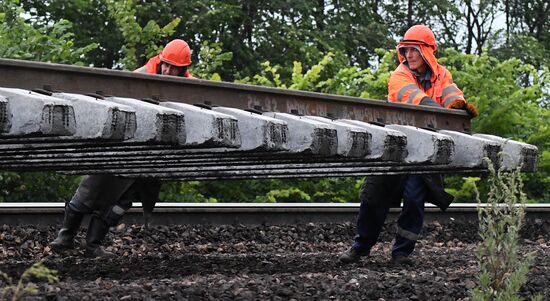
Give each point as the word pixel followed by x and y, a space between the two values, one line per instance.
pixel 403 86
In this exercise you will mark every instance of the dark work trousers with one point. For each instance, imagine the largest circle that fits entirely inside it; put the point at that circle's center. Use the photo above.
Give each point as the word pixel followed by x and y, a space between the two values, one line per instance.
pixel 99 194
pixel 371 220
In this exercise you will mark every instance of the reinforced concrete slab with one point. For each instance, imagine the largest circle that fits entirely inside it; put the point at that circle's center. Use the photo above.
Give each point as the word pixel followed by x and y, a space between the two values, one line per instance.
pixel 308 136
pixel 353 141
pixel 34 114
pixel 426 147
pixel 155 123
pixel 5 115
pixel 207 128
pixel 471 151
pixel 515 153
pixel 99 119
pixel 387 144
pixel 259 132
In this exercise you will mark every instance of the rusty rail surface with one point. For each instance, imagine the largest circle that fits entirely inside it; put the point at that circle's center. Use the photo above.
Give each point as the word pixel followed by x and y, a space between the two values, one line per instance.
pixel 83 80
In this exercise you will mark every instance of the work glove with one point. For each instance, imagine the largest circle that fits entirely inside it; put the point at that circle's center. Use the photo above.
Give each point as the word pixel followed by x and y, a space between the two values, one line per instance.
pixel 463 105
pixel 471 109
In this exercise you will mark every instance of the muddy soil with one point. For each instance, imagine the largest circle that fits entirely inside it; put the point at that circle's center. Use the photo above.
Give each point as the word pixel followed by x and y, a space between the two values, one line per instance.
pixel 236 262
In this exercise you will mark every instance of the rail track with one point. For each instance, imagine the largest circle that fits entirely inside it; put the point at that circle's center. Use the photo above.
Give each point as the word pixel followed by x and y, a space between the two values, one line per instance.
pixel 51 214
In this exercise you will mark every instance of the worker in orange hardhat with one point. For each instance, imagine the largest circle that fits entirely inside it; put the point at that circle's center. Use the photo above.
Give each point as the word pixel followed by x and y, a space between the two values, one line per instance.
pixel 418 80
pixel 108 197
pixel 173 60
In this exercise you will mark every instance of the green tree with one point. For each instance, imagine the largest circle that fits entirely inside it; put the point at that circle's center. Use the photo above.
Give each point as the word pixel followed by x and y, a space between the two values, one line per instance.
pixel 47 43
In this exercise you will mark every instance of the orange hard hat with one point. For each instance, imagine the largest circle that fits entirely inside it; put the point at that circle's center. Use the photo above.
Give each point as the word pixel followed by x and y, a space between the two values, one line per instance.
pixel 419 34
pixel 176 53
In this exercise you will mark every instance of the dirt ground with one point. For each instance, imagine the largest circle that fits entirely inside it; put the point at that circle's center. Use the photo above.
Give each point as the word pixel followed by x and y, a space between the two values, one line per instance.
pixel 236 262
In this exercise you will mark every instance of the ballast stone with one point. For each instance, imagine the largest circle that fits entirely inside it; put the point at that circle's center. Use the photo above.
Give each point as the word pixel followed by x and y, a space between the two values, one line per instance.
pixel 258 132
pixel 426 147
pixel 353 141
pixel 387 144
pixel 471 151
pixel 100 119
pixel 155 123
pixel 34 114
pixel 308 136
pixel 515 153
pixel 207 128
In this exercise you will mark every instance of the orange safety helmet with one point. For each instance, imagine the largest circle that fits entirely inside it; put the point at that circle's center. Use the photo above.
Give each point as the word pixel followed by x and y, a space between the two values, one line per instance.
pixel 176 53
pixel 419 34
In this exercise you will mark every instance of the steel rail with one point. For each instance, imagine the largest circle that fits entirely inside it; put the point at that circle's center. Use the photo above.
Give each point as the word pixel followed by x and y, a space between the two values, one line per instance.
pixel 83 80
pixel 51 214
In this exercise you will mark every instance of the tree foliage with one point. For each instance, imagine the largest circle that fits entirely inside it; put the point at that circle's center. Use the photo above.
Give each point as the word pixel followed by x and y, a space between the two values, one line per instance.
pixel 338 47
pixel 47 43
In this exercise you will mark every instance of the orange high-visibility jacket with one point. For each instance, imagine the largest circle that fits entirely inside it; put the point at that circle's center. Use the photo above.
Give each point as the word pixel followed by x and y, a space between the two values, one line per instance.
pixel 404 88
pixel 152 67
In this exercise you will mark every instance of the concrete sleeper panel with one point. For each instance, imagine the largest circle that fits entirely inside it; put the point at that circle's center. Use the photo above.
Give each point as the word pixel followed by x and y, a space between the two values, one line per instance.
pixel 308 136
pixel 34 114
pixel 515 153
pixel 426 147
pixel 353 141
pixel 5 116
pixel 258 132
pixel 386 144
pixel 208 128
pixel 155 123
pixel 470 151
pixel 99 119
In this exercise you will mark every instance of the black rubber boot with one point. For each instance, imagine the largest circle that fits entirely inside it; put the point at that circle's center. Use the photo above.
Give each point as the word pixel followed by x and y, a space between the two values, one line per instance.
pixel 71 225
pixel 97 230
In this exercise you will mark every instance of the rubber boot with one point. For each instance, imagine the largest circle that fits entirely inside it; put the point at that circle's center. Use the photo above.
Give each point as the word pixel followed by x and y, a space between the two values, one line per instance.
pixel 97 230
pixel 71 225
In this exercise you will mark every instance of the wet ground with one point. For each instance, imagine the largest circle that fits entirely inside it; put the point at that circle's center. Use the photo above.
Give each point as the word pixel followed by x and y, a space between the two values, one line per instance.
pixel 291 262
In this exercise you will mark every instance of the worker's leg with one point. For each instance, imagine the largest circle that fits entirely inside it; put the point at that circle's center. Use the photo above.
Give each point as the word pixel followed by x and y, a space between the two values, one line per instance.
pixel 409 224
pixel 101 221
pixel 93 194
pixel 369 225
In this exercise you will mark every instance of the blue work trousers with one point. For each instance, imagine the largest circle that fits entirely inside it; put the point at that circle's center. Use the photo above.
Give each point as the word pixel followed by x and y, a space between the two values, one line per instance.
pixel 371 220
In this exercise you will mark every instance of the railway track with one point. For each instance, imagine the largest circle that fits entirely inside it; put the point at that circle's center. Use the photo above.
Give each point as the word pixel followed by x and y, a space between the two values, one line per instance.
pixel 51 214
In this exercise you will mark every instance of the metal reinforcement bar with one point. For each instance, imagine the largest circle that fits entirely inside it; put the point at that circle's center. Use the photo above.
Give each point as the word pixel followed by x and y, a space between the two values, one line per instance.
pixel 51 214
pixel 84 80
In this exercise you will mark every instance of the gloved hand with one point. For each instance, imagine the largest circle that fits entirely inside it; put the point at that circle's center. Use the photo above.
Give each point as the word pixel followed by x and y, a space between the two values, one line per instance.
pixel 458 104
pixel 471 109
pixel 462 104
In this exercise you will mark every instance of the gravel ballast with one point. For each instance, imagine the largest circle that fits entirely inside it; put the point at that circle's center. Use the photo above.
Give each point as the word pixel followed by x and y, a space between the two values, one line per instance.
pixel 284 262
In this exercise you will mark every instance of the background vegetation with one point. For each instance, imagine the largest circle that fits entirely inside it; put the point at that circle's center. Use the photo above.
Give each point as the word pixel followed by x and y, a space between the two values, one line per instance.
pixel 496 50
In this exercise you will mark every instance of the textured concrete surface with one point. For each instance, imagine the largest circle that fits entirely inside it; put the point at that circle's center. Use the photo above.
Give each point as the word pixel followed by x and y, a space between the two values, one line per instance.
pixel 515 153
pixel 426 147
pixel 471 151
pixel 5 115
pixel 155 123
pixel 308 135
pixel 258 132
pixel 353 141
pixel 205 127
pixel 37 115
pixel 387 144
pixel 97 118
